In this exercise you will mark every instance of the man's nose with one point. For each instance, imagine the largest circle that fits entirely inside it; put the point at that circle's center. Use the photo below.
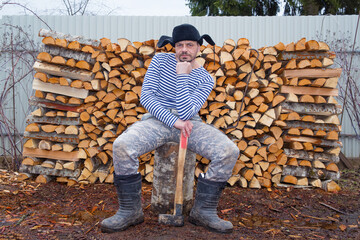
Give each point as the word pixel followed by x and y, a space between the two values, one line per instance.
pixel 183 49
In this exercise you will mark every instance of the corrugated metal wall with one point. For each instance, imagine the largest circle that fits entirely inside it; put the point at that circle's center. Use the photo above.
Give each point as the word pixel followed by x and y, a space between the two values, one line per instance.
pixel 261 31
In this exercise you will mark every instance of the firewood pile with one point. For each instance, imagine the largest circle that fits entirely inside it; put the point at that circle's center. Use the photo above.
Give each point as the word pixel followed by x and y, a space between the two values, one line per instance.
pixel 87 93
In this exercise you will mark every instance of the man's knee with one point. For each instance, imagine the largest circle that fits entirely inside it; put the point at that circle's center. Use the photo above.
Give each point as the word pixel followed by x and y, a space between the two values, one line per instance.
pixel 123 146
pixel 119 143
pixel 232 150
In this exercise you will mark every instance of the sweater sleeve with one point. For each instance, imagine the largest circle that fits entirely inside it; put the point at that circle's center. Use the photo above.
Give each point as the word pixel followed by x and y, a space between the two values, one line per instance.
pixel 189 103
pixel 149 98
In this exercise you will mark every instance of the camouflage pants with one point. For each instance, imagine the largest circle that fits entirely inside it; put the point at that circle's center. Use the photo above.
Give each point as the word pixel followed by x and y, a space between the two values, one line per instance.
pixel 150 133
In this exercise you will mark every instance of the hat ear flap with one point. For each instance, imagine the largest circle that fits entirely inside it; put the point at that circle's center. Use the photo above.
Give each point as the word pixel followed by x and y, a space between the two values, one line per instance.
pixel 165 40
pixel 208 39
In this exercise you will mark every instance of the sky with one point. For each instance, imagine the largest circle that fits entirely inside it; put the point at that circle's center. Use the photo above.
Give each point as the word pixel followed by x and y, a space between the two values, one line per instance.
pixel 101 7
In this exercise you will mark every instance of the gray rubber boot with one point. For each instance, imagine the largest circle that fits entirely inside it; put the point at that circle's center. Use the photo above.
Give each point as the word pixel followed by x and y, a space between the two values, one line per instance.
pixel 204 211
pixel 130 212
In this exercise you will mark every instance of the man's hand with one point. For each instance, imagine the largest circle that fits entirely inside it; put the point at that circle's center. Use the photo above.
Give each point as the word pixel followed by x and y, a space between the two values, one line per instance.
pixel 185 127
pixel 183 68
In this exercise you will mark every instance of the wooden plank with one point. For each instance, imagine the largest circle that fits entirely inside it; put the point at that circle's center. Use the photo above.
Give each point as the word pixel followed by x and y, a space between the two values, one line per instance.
pixel 346 161
pixel 309 90
pixel 312 73
pixel 58 89
pixel 67 156
pixel 53 120
pixel 324 157
pixel 323 109
pixel 37 169
pixel 316 141
pixel 63 71
pixel 305 55
pixel 63 138
pixel 283 185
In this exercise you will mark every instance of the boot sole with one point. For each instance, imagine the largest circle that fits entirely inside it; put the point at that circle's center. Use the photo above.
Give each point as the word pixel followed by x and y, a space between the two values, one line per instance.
pixel 198 223
pixel 112 230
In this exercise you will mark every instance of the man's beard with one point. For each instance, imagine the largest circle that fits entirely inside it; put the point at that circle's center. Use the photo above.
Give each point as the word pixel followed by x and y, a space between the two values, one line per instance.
pixel 185 58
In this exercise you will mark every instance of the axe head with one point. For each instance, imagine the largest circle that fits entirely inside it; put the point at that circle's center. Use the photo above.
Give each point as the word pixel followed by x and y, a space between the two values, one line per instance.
pixel 176 219
pixel 169 219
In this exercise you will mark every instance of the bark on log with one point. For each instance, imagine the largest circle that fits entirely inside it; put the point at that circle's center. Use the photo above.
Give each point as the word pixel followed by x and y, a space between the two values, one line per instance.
pixel 52 137
pixel 63 71
pixel 37 169
pixel 310 108
pixel 311 155
pixel 70 38
pixel 162 199
pixel 53 120
pixel 67 53
pixel 301 171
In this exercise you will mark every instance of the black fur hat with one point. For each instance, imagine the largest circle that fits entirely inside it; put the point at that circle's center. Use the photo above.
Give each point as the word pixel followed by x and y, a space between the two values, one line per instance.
pixel 184 32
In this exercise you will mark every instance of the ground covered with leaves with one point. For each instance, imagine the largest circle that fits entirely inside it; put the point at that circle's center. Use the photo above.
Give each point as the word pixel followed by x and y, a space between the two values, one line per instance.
pixel 55 211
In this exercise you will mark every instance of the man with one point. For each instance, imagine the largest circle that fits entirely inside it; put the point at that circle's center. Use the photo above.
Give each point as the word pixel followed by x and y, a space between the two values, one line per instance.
pixel 174 89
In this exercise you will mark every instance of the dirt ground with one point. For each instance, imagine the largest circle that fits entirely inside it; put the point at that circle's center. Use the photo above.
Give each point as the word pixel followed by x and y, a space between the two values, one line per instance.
pixel 55 211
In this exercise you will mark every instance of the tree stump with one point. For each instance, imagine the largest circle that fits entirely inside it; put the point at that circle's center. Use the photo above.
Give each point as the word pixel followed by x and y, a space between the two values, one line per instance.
pixel 164 181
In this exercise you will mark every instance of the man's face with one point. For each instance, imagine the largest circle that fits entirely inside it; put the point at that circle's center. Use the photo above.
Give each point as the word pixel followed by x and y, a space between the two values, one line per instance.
pixel 186 51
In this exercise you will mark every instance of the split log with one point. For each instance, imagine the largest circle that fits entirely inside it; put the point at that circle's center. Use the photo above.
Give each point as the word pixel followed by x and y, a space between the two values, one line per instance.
pixel 63 71
pixel 330 186
pixel 43 179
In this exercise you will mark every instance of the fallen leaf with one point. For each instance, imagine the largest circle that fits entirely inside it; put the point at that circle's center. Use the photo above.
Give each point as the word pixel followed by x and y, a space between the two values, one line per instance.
pixel 13 220
pixel 295 236
pixel 93 209
pixel 242 224
pixel 342 227
pixel 293 216
pixel 39 226
pixel 226 210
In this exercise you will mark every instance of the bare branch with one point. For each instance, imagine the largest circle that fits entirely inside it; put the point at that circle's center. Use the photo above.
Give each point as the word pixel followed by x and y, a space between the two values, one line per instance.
pixel 18 4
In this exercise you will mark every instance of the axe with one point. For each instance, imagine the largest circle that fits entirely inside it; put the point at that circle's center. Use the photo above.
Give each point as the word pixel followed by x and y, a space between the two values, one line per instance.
pixel 177 219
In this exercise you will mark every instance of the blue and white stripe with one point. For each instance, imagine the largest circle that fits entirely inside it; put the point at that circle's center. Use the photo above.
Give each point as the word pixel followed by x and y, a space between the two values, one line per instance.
pixel 163 89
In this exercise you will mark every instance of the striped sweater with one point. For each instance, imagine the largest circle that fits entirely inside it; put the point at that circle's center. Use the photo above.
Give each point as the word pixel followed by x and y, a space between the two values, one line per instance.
pixel 163 89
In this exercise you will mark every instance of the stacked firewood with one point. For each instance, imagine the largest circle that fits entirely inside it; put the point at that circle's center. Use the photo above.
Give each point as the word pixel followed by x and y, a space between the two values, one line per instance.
pixel 276 103
pixel 54 128
pixel 310 112
pixel 306 129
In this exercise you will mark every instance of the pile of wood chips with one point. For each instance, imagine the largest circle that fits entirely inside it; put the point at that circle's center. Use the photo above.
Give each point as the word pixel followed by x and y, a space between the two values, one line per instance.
pixel 88 91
